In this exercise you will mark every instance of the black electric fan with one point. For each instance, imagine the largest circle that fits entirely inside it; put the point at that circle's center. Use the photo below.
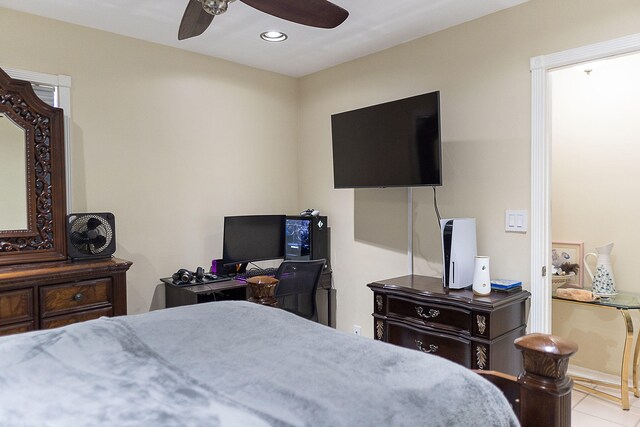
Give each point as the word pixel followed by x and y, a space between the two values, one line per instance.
pixel 91 235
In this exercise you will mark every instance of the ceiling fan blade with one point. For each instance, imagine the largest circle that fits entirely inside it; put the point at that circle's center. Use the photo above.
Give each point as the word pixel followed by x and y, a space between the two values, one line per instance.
pixel 314 13
pixel 194 21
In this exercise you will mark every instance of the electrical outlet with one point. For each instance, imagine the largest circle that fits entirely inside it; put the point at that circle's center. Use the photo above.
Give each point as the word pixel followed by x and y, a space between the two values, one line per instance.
pixel 357 329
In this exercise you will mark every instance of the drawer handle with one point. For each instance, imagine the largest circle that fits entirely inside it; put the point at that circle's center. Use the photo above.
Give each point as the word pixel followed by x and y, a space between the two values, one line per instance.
pixel 78 296
pixel 432 347
pixel 431 314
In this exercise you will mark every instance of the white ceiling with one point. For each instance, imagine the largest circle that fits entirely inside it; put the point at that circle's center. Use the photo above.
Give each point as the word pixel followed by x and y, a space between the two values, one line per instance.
pixel 372 26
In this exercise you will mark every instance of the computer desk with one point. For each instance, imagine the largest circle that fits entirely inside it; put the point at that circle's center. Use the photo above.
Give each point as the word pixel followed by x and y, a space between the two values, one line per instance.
pixel 208 291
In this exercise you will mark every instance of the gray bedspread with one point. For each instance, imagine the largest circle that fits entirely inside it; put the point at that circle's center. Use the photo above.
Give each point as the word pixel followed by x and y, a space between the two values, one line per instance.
pixel 232 364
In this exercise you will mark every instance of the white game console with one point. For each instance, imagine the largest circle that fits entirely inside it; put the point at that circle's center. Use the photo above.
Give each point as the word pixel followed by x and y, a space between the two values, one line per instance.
pixel 459 250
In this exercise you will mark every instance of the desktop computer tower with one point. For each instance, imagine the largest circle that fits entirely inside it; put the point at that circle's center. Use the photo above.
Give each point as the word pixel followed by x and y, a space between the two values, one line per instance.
pixel 307 238
pixel 458 251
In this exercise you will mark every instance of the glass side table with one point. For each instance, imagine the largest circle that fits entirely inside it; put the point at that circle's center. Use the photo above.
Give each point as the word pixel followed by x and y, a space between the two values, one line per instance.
pixel 623 302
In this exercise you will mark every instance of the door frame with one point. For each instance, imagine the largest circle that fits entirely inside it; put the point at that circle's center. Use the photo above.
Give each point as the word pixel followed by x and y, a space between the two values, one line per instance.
pixel 541 66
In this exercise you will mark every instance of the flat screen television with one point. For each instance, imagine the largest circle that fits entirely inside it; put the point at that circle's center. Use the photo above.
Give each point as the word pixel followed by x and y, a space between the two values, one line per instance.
pixel 251 238
pixel 394 144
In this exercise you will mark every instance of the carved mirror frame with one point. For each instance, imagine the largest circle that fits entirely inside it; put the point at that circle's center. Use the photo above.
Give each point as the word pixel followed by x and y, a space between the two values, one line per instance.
pixel 44 239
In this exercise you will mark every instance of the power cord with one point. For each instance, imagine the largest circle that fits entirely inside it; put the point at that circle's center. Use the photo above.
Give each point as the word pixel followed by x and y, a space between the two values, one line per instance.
pixel 435 205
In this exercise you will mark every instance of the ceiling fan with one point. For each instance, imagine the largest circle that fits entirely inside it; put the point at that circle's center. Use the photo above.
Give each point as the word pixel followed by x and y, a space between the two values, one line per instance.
pixel 314 13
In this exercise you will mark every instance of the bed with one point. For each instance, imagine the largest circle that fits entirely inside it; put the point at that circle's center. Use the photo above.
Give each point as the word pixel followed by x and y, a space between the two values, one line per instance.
pixel 234 363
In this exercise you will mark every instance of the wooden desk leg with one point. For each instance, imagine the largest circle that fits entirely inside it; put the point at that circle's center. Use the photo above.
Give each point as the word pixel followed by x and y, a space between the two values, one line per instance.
pixel 626 355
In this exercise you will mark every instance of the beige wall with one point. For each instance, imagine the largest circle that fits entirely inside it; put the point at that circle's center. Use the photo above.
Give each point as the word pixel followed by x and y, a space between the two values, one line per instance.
pixel 595 180
pixel 169 141
pixel 139 109
pixel 482 71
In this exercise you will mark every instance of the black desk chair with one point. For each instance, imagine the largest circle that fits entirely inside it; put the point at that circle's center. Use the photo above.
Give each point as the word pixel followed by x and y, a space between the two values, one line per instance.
pixel 296 291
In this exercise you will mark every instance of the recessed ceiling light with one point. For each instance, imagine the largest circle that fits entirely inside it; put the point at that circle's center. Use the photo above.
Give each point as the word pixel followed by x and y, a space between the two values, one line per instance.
pixel 273 36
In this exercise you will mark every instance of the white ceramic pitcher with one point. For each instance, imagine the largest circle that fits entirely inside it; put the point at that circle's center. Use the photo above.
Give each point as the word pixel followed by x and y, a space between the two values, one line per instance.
pixel 603 281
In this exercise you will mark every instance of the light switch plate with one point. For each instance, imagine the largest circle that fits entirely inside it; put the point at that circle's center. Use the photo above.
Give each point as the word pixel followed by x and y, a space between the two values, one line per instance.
pixel 516 221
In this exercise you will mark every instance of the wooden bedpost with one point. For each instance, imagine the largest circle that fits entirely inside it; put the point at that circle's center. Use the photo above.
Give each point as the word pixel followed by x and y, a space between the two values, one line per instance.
pixel 545 389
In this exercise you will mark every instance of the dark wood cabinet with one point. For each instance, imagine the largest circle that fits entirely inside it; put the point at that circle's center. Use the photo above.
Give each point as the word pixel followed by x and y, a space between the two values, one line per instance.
pixel 51 294
pixel 475 331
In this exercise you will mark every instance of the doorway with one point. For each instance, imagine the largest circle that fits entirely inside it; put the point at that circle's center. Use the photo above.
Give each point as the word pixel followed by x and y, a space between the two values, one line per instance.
pixel 541 66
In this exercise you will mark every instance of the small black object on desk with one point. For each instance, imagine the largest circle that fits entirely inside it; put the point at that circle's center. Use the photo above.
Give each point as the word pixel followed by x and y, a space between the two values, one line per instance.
pixel 184 277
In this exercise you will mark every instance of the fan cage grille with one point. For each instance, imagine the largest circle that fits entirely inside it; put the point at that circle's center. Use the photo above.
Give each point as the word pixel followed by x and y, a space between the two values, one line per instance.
pixel 79 224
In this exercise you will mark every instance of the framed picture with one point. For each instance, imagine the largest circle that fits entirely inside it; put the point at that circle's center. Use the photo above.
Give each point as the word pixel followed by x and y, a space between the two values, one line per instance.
pixel 572 253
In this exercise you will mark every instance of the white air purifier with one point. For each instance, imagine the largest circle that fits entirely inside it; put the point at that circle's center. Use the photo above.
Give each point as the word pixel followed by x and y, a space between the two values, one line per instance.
pixel 458 252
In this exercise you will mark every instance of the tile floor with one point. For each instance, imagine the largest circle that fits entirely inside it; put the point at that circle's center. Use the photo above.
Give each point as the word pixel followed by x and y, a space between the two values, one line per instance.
pixel 591 411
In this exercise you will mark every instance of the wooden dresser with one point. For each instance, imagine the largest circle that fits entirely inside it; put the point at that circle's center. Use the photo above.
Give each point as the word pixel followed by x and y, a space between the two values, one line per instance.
pixel 39 288
pixel 477 332
pixel 51 294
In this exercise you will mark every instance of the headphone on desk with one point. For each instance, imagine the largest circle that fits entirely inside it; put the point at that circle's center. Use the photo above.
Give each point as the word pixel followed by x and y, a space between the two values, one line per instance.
pixel 310 212
pixel 185 277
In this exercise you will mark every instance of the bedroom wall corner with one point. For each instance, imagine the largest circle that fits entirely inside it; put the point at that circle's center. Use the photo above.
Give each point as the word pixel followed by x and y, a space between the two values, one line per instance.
pixel 167 140
pixel 482 70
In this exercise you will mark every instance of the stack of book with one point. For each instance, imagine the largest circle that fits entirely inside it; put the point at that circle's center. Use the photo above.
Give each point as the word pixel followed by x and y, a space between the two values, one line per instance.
pixel 505 285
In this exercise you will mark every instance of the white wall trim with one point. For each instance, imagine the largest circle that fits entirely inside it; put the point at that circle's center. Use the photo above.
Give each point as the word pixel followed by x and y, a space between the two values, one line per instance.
pixel 540 320
pixel 596 51
pixel 540 205
pixel 62 84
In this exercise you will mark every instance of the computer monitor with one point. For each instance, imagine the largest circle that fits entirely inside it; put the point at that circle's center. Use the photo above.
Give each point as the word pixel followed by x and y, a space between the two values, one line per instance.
pixel 252 238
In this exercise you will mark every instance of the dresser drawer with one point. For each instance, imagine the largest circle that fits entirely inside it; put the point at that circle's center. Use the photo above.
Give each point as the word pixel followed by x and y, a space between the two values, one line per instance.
pixel 55 322
pixel 16 306
pixel 69 297
pixel 450 347
pixel 447 317
pixel 16 329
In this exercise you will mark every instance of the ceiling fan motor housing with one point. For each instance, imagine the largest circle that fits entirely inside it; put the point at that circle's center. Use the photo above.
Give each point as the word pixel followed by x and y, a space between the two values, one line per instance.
pixel 215 7
pixel 91 235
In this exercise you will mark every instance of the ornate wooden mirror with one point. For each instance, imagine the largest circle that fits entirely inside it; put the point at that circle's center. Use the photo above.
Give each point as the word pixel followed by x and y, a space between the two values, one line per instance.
pixel 32 176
